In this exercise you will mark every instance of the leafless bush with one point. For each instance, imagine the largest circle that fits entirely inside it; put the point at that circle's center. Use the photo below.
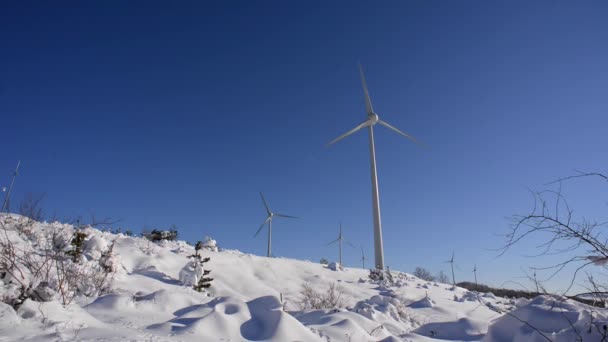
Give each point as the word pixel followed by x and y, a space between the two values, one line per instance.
pixel 442 278
pixel 423 274
pixel 38 264
pixel 30 206
pixel 330 299
pixel 565 234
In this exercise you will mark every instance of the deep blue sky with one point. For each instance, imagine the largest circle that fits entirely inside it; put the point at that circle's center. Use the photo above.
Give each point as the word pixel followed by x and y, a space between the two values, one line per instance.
pixel 160 113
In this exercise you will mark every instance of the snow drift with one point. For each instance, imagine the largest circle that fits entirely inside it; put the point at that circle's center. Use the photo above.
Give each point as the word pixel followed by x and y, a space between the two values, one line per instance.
pixel 256 298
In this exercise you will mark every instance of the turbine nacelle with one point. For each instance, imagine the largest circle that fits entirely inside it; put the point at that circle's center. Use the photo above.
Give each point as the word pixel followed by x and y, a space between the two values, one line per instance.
pixel 372 118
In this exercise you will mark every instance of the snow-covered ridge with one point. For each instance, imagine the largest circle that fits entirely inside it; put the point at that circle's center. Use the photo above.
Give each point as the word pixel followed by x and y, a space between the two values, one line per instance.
pixel 255 298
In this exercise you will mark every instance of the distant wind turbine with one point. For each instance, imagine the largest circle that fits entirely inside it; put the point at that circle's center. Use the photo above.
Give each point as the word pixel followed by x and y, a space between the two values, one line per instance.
pixel 7 197
pixel 269 221
pixel 373 119
pixel 363 257
pixel 451 262
pixel 475 273
pixel 339 240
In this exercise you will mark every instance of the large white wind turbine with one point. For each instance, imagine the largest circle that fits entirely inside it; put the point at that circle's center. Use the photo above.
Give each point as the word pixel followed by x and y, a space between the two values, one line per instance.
pixel 339 240
pixel 269 221
pixel 370 122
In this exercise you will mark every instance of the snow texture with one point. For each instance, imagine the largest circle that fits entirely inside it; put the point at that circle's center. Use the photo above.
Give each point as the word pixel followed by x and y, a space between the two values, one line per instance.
pixel 255 298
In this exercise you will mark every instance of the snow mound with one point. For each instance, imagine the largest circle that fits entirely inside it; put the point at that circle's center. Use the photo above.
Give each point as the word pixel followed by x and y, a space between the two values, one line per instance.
pixel 342 325
pixel 8 317
pixel 387 309
pixel 210 244
pixel 191 273
pixel 472 296
pixel 95 246
pixel 561 319
pixel 334 266
pixel 464 329
pixel 260 319
pixel 425 302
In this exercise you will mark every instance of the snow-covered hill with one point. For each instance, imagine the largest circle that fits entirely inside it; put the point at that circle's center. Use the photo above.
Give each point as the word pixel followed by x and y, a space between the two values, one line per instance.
pixel 256 298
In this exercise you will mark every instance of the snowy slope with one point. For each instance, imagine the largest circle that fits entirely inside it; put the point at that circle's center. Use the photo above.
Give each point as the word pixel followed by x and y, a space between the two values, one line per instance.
pixel 256 298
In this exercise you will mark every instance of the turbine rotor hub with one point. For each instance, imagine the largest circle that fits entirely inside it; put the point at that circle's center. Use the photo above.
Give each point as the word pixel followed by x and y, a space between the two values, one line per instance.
pixel 373 117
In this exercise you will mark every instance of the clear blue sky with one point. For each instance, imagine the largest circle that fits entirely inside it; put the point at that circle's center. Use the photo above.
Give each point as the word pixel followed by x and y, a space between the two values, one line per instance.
pixel 160 113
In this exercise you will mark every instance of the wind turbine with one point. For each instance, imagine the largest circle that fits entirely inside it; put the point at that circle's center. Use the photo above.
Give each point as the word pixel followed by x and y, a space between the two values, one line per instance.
pixel 339 240
pixel 451 262
pixel 269 221
pixel 7 197
pixel 362 257
pixel 371 120
pixel 475 273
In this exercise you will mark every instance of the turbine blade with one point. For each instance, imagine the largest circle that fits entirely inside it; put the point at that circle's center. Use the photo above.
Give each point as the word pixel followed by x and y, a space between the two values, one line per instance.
pixel 350 244
pixel 336 240
pixel 368 101
pixel 262 226
pixel 281 215
pixel 265 204
pixel 391 127
pixel 361 125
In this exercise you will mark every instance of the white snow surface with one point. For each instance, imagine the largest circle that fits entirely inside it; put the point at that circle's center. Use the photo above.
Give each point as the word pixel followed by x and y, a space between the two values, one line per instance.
pixel 255 298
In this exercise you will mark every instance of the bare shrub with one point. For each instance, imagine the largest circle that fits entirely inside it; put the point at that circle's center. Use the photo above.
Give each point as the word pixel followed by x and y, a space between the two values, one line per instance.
pixel 40 264
pixel 157 235
pixel 330 299
pixel 565 234
pixel 442 278
pixel 30 207
pixel 423 274
pixel 580 241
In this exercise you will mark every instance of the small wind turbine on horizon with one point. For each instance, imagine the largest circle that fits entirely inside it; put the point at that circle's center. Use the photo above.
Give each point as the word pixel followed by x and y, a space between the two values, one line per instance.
pixel 339 240
pixel 451 262
pixel 371 120
pixel 475 273
pixel 363 257
pixel 7 196
pixel 269 221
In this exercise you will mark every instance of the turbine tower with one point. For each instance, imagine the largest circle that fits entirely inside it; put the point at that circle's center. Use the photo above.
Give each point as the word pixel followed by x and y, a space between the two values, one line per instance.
pixel 339 240
pixel 451 262
pixel 7 197
pixel 269 221
pixel 363 257
pixel 370 122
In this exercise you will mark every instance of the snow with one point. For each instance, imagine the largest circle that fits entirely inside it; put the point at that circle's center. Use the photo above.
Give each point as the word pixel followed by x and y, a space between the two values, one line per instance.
pixel 542 315
pixel 254 298
pixel 191 273
pixel 210 244
pixel 94 246
pixel 334 266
